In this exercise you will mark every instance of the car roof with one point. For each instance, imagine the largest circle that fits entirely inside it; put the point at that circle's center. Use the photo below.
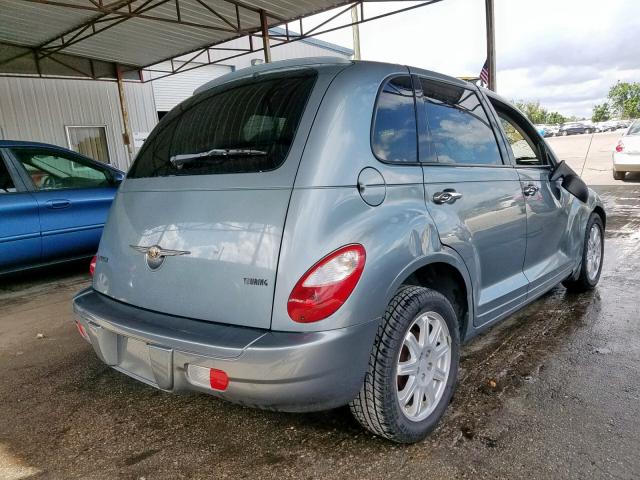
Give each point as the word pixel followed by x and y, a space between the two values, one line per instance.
pixel 27 143
pixel 317 62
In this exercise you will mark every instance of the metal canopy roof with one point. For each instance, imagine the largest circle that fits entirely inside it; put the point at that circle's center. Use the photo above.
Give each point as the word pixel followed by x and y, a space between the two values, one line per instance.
pixel 94 38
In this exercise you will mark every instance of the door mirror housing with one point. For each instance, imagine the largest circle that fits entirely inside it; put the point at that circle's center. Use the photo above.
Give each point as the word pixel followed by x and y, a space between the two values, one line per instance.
pixel 117 177
pixel 571 181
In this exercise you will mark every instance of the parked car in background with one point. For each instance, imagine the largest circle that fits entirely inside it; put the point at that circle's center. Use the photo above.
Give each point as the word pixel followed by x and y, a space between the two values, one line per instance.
pixel 551 130
pixel 53 204
pixel 546 130
pixel 626 156
pixel 293 238
pixel 574 128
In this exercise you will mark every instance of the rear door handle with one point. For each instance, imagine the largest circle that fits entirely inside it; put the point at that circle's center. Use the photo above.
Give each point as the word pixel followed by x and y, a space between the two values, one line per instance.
pixel 58 204
pixel 530 190
pixel 448 195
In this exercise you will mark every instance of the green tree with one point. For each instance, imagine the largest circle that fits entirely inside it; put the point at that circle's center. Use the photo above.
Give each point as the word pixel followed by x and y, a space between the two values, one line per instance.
pixel 601 113
pixel 555 118
pixel 537 113
pixel 625 99
pixel 533 111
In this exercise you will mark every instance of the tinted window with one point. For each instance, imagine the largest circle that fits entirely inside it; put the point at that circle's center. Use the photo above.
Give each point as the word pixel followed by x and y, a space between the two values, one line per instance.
pixel 246 127
pixel 6 183
pixel 53 170
pixel 394 126
pixel 459 126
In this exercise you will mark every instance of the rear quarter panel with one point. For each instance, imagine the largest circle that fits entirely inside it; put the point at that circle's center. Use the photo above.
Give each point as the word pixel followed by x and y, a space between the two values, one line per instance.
pixel 326 210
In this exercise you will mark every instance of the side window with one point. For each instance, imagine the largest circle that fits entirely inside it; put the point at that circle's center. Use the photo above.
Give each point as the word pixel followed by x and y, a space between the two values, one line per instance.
pixel 52 170
pixel 524 149
pixel 6 182
pixel 459 126
pixel 394 136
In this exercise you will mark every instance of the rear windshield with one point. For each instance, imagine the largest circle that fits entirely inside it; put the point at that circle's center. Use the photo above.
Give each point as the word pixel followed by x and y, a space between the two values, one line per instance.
pixel 246 127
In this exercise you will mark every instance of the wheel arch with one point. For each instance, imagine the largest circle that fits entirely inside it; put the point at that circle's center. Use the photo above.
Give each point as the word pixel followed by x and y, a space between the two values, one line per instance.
pixel 598 210
pixel 447 274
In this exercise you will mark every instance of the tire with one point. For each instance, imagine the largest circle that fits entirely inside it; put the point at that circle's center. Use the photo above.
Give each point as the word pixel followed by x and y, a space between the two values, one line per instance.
pixel 377 406
pixel 617 175
pixel 587 279
pixel 565 133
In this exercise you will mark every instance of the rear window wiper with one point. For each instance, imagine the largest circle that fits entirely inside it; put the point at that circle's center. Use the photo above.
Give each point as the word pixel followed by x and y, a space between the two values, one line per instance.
pixel 217 153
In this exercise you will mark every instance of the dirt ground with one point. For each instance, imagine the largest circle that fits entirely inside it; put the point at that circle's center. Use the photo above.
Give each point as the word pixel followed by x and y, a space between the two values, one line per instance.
pixel 566 402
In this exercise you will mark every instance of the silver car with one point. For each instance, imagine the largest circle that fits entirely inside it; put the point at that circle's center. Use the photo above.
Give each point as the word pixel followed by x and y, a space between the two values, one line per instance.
pixel 308 234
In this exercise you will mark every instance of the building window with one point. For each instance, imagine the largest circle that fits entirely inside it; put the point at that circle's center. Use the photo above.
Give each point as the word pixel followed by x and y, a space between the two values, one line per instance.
pixel 90 141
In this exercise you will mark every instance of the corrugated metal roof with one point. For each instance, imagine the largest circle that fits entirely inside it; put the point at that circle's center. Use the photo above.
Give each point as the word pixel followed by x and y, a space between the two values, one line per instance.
pixel 135 33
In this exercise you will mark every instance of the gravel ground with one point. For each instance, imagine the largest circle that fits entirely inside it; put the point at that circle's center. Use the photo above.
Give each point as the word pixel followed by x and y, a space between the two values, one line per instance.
pixel 553 392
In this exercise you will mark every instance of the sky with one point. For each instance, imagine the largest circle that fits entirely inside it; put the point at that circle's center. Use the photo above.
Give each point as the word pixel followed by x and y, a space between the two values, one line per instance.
pixel 564 53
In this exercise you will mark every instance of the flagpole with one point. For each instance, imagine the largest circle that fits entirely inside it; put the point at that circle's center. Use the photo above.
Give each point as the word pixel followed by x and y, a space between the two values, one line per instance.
pixel 491 45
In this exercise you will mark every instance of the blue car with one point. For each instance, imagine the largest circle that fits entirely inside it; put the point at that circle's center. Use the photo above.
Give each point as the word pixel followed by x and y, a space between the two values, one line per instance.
pixel 53 204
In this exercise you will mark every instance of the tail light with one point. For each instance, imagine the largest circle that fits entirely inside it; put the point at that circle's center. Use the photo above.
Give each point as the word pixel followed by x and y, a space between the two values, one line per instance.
pixel 620 147
pixel 92 265
pixel 327 285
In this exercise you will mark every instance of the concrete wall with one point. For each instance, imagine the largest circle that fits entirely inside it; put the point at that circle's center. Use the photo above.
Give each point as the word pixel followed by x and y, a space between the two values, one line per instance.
pixel 39 109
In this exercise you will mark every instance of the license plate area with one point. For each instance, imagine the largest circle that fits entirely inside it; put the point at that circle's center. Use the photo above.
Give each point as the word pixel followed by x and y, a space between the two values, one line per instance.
pixel 134 358
pixel 151 364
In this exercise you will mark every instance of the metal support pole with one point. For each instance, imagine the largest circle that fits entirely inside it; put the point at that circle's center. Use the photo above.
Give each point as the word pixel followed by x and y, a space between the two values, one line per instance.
pixel 126 135
pixel 265 36
pixel 491 45
pixel 356 32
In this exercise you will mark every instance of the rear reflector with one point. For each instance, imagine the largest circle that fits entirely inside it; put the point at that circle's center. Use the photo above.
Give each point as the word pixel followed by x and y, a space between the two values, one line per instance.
pixel 207 377
pixel 620 147
pixel 81 330
pixel 92 265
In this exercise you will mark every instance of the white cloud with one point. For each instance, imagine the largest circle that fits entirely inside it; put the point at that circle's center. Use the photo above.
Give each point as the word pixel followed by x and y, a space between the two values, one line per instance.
pixel 565 53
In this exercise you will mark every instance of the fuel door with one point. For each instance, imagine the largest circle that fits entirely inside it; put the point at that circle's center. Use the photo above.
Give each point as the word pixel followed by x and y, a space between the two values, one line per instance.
pixel 372 186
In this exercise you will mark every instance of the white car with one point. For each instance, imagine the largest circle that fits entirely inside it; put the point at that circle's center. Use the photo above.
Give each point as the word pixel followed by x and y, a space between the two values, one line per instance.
pixel 626 157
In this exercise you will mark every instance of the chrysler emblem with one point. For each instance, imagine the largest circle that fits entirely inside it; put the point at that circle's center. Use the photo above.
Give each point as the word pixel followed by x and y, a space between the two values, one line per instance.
pixel 155 254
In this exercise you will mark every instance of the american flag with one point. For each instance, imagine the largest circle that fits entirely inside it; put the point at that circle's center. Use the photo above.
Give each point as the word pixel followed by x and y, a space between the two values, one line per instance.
pixel 484 73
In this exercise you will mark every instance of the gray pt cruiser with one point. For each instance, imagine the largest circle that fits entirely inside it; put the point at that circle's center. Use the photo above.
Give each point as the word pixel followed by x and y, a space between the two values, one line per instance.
pixel 308 234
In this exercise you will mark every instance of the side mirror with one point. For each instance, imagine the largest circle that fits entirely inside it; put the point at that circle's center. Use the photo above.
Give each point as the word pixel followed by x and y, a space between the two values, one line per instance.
pixel 571 181
pixel 117 177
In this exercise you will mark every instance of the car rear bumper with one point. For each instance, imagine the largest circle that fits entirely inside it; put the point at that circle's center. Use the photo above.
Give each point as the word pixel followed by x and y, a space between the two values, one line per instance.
pixel 287 371
pixel 626 162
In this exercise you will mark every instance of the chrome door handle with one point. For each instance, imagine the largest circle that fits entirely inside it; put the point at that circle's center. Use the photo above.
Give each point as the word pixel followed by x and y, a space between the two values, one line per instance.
pixel 448 195
pixel 530 190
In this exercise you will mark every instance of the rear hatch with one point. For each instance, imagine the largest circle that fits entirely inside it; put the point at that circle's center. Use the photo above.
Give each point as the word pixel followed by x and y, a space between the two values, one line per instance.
pixel 210 189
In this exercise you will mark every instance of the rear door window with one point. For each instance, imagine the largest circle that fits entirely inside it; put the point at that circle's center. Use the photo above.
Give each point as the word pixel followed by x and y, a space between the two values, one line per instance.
pixel 245 127
pixel 459 126
pixel 394 135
